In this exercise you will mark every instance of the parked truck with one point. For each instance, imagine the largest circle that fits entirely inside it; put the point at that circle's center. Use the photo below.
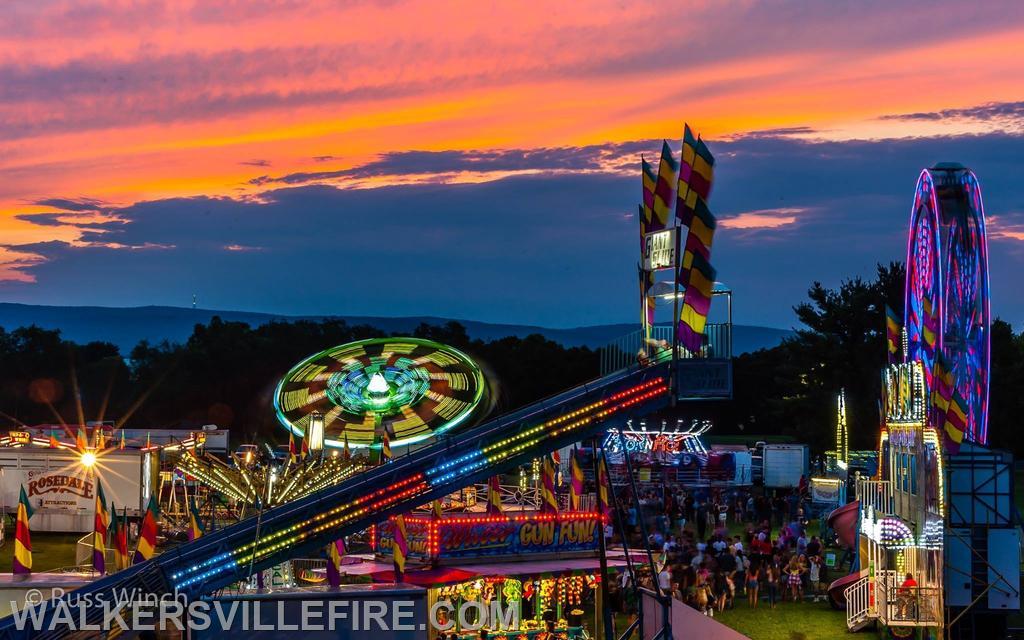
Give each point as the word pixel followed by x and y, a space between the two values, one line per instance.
pixel 784 464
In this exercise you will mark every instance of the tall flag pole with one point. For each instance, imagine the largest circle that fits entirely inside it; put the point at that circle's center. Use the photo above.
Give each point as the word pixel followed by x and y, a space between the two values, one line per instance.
pixel 335 551
pixel 101 521
pixel 695 273
pixel 893 331
pixel 147 536
pixel 22 563
pixel 195 522
pixel 548 502
pixel 400 548
pixel 576 482
pixel 494 507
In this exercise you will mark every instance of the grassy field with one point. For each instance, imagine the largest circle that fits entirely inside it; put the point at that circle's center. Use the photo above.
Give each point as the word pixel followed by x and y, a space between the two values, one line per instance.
pixel 49 550
pixel 789 621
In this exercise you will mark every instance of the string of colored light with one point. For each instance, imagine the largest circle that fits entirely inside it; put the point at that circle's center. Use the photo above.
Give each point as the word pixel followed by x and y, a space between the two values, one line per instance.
pixel 418 484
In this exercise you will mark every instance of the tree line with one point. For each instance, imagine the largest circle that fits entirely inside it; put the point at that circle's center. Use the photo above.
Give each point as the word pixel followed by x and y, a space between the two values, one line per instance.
pixel 226 372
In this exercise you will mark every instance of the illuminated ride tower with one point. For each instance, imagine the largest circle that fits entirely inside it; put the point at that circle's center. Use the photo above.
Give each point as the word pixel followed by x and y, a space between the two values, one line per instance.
pixel 939 542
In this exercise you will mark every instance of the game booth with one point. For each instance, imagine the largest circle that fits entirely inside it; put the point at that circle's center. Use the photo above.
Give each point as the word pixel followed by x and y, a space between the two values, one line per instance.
pixel 544 565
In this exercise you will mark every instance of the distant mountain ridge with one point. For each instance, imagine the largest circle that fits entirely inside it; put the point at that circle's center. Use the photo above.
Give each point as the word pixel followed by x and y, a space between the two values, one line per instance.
pixel 127 326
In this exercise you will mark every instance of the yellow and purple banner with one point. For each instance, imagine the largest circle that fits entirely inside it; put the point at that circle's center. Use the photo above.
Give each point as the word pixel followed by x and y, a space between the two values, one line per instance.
pixel 400 547
pixel 101 521
pixel 146 548
pixel 22 563
pixel 893 331
pixel 576 482
pixel 955 424
pixel 665 190
pixel 548 500
pixel 494 507
pixel 119 536
pixel 195 522
pixel 335 551
pixel 696 304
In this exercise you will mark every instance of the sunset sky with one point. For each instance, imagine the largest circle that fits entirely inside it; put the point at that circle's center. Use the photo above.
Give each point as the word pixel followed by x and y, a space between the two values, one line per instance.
pixel 480 160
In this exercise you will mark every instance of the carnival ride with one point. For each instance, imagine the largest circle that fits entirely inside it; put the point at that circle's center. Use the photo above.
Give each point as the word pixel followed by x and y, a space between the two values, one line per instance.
pixel 928 547
pixel 408 388
pixel 451 462
pixel 946 310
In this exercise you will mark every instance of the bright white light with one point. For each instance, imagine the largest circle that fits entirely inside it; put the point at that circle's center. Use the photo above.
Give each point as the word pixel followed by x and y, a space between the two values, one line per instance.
pixel 377 384
pixel 88 459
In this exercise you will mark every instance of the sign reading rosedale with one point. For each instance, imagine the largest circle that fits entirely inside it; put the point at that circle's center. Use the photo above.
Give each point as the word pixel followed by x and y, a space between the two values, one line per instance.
pixel 660 249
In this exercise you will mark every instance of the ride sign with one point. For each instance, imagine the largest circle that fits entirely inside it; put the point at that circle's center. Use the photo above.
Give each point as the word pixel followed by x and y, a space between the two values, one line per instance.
pixel 660 249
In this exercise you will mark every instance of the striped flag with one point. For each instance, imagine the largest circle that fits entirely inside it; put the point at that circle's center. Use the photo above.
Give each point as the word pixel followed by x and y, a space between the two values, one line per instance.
pixel 929 323
pixel 699 239
pixel 81 442
pixel 494 507
pixel 942 388
pixel 22 563
pixel 53 441
pixel 400 547
pixel 147 536
pixel 955 424
pixel 101 520
pixel 293 452
pixel 686 198
pixel 548 501
pixel 603 501
pixel 119 535
pixel 305 443
pixel 703 170
pixel 893 330
pixel 346 453
pixel 195 523
pixel 335 551
pixel 665 189
pixel 575 482
pixel 437 508
pixel 696 304
pixel 650 181
pixel 385 447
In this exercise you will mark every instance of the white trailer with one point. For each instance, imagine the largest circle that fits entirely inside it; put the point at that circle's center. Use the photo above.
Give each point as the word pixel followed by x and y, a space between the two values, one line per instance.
pixel 784 464
pixel 62 490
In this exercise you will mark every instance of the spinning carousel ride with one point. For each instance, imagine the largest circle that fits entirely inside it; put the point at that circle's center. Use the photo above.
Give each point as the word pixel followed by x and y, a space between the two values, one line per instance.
pixel 409 388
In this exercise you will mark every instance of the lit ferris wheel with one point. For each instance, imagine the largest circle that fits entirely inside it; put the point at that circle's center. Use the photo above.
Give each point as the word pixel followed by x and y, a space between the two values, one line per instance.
pixel 947 289
pixel 409 388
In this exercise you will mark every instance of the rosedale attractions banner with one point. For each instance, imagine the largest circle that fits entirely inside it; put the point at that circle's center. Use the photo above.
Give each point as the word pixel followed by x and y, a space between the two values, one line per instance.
pixel 465 536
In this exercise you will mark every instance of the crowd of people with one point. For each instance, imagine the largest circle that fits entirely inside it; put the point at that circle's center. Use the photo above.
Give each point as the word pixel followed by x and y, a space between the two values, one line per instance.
pixel 701 563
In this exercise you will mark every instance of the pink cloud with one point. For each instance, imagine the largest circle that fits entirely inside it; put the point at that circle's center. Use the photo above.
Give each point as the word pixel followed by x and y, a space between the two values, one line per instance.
pixel 763 219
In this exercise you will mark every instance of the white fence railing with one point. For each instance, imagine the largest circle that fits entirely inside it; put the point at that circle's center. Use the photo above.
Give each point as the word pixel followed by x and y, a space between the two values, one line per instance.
pixel 877 494
pixel 858 602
